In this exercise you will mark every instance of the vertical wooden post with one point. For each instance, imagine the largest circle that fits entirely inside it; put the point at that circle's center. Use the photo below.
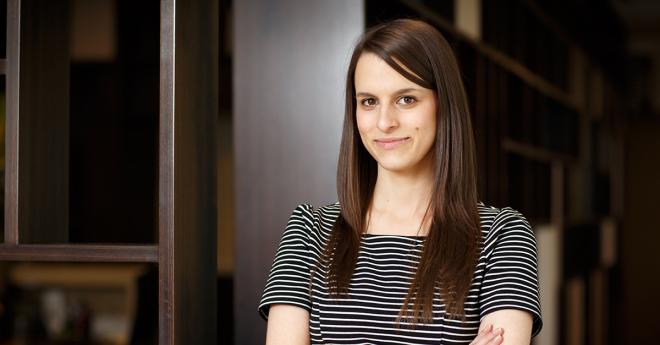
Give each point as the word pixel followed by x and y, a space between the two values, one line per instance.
pixel 11 125
pixel 187 186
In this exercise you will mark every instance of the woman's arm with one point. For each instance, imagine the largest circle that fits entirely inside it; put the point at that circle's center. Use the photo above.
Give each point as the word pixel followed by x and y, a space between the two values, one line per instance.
pixel 517 325
pixel 509 297
pixel 287 324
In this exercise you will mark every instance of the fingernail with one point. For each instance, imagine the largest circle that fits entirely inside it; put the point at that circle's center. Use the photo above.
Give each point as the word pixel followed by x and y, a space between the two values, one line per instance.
pixel 498 338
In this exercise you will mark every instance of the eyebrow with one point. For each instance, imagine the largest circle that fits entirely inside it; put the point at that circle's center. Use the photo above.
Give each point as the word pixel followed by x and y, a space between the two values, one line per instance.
pixel 398 92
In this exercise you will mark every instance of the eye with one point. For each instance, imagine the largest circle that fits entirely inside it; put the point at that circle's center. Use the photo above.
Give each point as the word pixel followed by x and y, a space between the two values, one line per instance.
pixel 368 102
pixel 406 100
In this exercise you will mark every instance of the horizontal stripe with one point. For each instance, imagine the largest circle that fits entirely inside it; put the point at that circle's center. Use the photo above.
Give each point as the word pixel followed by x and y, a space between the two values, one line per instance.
pixel 505 277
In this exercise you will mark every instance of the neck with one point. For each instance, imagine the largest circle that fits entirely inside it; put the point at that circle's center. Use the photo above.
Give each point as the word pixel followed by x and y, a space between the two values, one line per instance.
pixel 406 193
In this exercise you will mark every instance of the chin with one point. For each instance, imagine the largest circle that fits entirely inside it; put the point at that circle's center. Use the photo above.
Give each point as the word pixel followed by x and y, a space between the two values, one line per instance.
pixel 396 165
pixel 399 163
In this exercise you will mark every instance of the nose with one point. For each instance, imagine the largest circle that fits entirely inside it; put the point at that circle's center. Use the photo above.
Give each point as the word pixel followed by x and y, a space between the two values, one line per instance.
pixel 387 118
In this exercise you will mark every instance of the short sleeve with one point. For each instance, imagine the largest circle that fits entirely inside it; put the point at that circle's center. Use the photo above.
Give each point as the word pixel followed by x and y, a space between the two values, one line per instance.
pixel 510 278
pixel 289 278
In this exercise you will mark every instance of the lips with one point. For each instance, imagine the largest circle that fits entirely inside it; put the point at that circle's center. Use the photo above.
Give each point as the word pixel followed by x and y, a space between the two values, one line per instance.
pixel 391 143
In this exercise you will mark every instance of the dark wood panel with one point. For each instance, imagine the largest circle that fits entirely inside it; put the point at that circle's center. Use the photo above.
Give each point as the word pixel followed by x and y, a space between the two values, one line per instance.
pixel 43 184
pixel 114 131
pixel 187 185
pixel 79 253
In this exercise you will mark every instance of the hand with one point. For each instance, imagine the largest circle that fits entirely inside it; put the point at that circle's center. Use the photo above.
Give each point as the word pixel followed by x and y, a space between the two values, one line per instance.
pixel 489 337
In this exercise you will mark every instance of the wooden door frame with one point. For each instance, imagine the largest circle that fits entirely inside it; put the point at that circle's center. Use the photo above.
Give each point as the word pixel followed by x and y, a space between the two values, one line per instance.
pixel 186 250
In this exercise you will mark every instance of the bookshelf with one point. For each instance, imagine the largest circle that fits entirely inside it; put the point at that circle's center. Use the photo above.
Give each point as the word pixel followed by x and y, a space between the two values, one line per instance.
pixel 548 113
pixel 158 204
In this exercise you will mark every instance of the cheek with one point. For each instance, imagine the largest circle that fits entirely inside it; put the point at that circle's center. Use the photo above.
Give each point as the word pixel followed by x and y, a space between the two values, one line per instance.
pixel 425 128
pixel 363 122
pixel 425 122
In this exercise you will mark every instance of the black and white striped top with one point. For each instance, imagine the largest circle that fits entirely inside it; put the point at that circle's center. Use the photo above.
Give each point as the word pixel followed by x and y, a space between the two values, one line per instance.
pixel 505 277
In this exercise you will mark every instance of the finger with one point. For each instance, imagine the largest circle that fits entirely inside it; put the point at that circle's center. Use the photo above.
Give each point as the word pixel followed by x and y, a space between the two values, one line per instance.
pixel 497 337
pixel 481 336
pixel 484 336
pixel 489 337
pixel 497 340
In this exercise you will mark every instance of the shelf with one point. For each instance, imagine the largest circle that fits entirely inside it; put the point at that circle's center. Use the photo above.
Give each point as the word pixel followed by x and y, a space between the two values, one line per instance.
pixel 535 153
pixel 76 275
pixel 115 298
pixel 79 253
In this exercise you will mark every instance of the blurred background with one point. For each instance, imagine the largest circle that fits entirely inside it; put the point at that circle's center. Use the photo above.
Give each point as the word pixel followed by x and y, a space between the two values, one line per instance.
pixel 565 101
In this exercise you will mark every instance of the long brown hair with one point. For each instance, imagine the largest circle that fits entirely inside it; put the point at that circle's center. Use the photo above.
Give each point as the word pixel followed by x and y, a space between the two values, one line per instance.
pixel 450 248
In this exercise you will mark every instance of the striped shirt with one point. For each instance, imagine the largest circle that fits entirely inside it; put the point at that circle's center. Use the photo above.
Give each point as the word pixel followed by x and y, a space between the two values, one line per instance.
pixel 505 278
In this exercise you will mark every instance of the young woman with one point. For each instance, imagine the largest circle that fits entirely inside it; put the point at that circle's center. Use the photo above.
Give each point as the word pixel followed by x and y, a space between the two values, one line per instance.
pixel 408 255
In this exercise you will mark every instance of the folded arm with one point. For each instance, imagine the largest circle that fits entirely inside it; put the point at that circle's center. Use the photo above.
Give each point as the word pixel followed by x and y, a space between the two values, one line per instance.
pixel 287 324
pixel 517 325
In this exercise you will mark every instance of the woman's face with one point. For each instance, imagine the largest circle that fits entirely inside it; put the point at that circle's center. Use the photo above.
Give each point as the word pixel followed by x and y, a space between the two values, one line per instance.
pixel 395 117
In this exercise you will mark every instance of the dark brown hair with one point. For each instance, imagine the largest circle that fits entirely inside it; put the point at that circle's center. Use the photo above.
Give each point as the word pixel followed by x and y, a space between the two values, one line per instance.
pixel 450 248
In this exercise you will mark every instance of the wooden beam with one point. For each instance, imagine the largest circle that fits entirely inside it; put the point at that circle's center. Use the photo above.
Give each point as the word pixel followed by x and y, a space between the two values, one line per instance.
pixel 12 66
pixel 79 253
pixel 187 183
pixel 166 315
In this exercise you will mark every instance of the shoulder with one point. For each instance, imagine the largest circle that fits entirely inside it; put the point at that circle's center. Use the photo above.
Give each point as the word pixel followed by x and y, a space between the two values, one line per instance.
pixel 318 220
pixel 487 214
pixel 506 223
pixel 494 219
pixel 328 212
pixel 325 213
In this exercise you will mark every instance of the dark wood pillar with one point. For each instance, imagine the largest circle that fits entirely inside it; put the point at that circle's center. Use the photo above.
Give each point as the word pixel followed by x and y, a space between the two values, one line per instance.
pixel 187 186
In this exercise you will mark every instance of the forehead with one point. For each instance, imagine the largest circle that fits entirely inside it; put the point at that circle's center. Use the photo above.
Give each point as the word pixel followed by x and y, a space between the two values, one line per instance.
pixel 374 75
